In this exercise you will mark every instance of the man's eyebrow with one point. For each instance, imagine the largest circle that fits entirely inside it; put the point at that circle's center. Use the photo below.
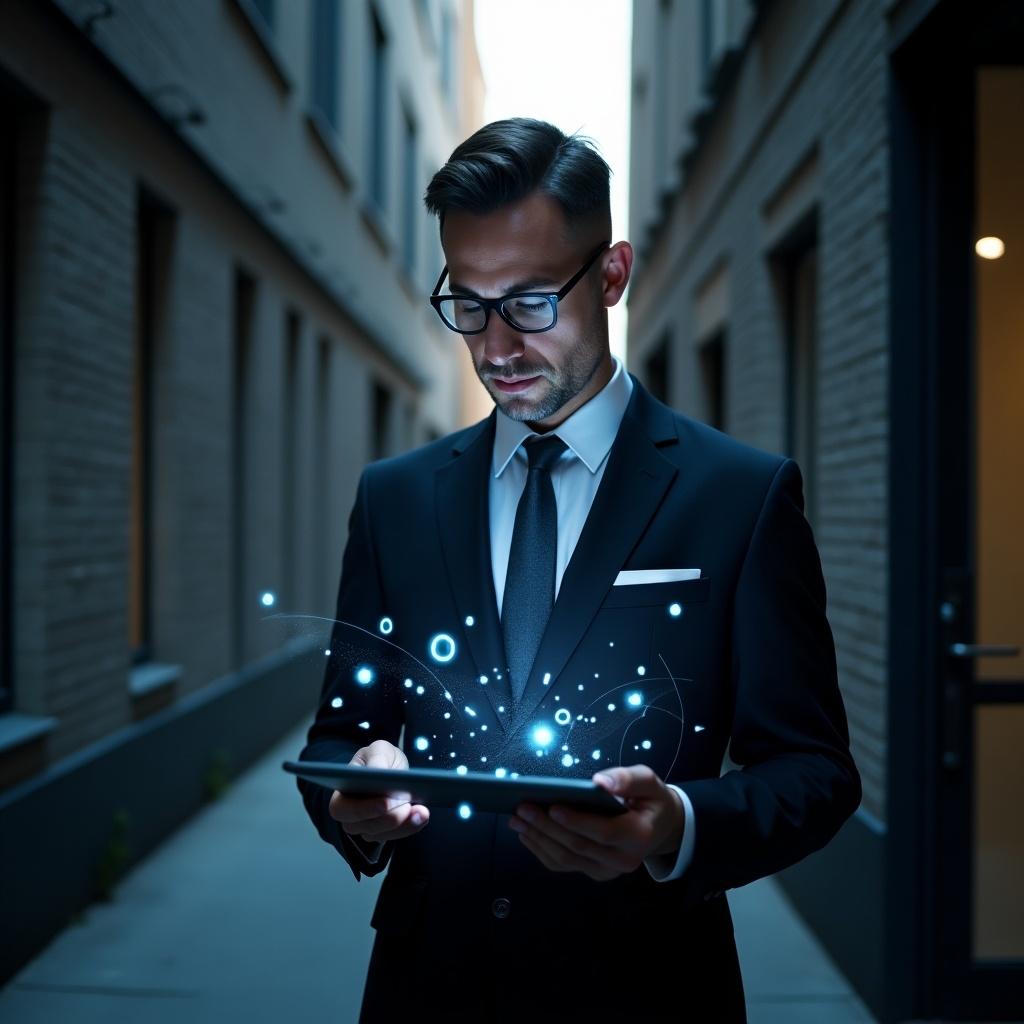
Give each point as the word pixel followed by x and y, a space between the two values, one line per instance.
pixel 519 286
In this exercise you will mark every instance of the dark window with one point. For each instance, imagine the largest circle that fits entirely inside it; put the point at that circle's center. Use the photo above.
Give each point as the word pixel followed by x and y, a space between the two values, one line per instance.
pixel 154 232
pixel 381 420
pixel 326 57
pixel 378 120
pixel 656 370
pixel 410 197
pixel 290 405
pixel 711 357
pixel 243 313
pixel 266 10
pixel 8 133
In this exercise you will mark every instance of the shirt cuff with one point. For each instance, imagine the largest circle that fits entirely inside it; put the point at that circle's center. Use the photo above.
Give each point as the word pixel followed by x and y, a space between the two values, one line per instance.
pixel 656 866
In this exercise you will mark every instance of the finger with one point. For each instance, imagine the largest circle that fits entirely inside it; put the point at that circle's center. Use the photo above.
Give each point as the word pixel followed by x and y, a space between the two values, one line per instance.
pixel 397 820
pixel 346 808
pixel 557 857
pixel 637 781
pixel 591 847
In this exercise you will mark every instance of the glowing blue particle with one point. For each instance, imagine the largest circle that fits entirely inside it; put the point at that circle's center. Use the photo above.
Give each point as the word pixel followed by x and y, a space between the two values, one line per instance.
pixel 540 753
pixel 565 746
pixel 597 675
pixel 640 670
pixel 567 760
pixel 408 684
pixel 580 687
pixel 562 716
pixel 515 775
pixel 267 598
pixel 447 695
pixel 593 718
pixel 483 728
pixel 364 725
pixel 575 760
pixel 646 744
pixel 675 609
pixel 698 728
pixel 634 700
pixel 596 755
pixel 447 714
pixel 483 680
pixel 442 648
pixel 611 707
pixel 470 711
pixel 430 757
pixel 472 734
pixel 451 754
pixel 461 769
pixel 557 697
pixel 364 675
pixel 501 707
pixel 386 625
pixel 547 678
pixel 465 811
pixel 422 743
pixel 419 690
pixel 470 620
pixel 500 772
pixel 483 758
pixel 542 735
pixel 328 652
pixel 498 676
pixel 611 643
pixel 337 702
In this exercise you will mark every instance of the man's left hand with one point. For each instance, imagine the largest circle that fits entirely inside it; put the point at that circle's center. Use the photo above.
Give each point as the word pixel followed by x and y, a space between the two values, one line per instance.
pixel 568 839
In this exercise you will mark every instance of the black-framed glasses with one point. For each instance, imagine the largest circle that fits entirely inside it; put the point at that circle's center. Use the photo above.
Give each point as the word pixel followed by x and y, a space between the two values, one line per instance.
pixel 528 312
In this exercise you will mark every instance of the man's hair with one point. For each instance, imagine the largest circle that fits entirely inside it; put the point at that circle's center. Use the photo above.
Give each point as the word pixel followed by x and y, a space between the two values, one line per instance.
pixel 507 160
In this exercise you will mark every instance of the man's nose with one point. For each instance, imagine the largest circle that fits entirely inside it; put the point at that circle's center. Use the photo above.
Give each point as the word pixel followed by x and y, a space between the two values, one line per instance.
pixel 502 342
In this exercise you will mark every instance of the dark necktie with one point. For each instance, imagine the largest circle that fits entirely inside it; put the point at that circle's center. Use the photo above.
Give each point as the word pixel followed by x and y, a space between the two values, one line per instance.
pixel 530 580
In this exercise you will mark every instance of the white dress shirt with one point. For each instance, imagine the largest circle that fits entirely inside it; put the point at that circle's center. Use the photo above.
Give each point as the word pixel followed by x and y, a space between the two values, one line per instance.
pixel 575 477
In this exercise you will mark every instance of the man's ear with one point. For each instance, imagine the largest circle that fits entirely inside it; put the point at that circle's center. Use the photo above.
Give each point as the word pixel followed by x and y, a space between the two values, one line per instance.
pixel 617 263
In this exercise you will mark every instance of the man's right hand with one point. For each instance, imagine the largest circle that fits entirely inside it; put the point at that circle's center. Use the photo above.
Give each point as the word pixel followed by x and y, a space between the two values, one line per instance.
pixel 378 818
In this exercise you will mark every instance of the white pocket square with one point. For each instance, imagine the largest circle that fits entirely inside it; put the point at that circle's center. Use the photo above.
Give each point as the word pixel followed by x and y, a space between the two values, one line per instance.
pixel 628 576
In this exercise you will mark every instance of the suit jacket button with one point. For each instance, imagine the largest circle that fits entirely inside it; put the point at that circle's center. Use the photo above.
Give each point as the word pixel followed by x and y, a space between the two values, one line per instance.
pixel 501 907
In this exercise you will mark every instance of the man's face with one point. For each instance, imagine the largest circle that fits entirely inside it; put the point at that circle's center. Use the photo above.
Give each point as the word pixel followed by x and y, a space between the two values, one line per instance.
pixel 525 246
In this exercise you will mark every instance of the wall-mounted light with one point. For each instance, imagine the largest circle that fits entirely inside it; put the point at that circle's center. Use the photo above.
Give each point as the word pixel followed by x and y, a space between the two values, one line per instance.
pixel 989 247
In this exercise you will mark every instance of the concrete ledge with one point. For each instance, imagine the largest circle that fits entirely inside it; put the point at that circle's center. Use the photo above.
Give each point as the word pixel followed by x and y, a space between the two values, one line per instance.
pixel 68 834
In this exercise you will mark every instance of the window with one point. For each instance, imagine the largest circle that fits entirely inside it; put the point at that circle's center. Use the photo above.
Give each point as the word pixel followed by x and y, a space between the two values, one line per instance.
pixel 410 196
pixel 243 313
pixel 154 227
pixel 378 114
pixel 326 53
pixel 711 357
pixel 656 370
pixel 291 401
pixel 381 420
pixel 8 130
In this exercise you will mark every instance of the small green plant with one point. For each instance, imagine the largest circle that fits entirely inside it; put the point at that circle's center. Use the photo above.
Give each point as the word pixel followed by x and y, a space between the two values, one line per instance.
pixel 114 858
pixel 217 776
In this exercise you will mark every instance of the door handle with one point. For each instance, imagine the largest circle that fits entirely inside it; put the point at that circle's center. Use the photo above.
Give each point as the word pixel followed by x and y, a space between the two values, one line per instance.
pixel 984 650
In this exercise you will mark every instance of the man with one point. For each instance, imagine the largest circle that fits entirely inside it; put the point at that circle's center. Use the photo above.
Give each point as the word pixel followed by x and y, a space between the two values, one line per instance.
pixel 481 607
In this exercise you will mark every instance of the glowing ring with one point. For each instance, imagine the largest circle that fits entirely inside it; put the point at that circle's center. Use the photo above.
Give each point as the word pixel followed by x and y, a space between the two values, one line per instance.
pixel 562 716
pixel 386 625
pixel 442 638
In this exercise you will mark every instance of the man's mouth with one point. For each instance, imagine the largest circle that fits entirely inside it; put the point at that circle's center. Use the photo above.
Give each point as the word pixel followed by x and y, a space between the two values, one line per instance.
pixel 512 384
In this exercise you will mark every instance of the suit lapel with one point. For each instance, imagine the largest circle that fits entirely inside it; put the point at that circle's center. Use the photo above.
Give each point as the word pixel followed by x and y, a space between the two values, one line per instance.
pixel 634 484
pixel 462 506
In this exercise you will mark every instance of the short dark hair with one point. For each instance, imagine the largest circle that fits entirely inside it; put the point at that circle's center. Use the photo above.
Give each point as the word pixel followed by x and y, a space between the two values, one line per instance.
pixel 507 160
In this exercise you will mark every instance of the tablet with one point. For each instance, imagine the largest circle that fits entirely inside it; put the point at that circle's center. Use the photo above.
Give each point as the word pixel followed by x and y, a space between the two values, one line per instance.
pixel 435 787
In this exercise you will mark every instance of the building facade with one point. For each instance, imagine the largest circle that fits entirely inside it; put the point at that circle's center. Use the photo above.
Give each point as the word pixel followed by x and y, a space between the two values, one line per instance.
pixel 214 270
pixel 809 183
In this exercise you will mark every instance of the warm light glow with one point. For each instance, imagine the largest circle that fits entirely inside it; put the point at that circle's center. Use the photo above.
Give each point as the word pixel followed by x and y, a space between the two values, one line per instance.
pixel 989 247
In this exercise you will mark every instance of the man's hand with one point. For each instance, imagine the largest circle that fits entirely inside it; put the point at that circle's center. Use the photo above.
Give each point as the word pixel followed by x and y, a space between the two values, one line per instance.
pixel 379 817
pixel 567 839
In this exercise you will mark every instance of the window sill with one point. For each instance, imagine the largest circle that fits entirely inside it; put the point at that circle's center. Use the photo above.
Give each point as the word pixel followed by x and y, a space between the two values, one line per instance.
pixel 374 220
pixel 17 729
pixel 152 687
pixel 267 44
pixel 330 142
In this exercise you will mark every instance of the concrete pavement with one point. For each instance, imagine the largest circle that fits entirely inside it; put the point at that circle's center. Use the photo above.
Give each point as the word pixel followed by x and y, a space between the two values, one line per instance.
pixel 186 937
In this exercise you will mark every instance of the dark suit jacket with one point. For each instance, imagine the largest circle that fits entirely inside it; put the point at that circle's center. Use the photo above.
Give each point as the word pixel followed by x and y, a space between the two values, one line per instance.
pixel 469 925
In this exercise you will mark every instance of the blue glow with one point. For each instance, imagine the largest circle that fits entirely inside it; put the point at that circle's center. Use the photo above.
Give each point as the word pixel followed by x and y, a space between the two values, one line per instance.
pixel 562 716
pixel 483 680
pixel 567 760
pixel 547 678
pixel 675 610
pixel 419 689
pixel 364 725
pixel 596 754
pixel 408 684
pixel 422 743
pixel 611 643
pixel 500 772
pixel 442 648
pixel 542 735
pixel 698 728
pixel 580 687
pixel 470 711
pixel 267 598
pixel 337 702
pixel 386 625
pixel 470 620
pixel 461 770
pixel 640 670
pixel 447 714
pixel 634 700
pixel 611 707
pixel 515 775
pixel 501 707
pixel 447 695
pixel 483 758
pixel 465 811
pixel 646 744
pixel 364 675
pixel 328 652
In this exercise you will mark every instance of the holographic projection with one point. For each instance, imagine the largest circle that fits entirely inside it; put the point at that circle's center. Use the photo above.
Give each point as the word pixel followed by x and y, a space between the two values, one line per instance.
pixel 587 725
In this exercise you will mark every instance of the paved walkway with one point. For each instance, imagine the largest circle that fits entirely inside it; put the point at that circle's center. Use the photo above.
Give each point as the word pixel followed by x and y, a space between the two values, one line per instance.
pixel 186 938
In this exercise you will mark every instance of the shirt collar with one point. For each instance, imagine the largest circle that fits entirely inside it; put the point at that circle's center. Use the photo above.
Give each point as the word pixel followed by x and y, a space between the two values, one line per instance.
pixel 588 432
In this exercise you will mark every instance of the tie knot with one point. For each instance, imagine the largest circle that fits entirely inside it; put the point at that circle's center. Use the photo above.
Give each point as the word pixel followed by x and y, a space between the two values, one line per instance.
pixel 544 454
